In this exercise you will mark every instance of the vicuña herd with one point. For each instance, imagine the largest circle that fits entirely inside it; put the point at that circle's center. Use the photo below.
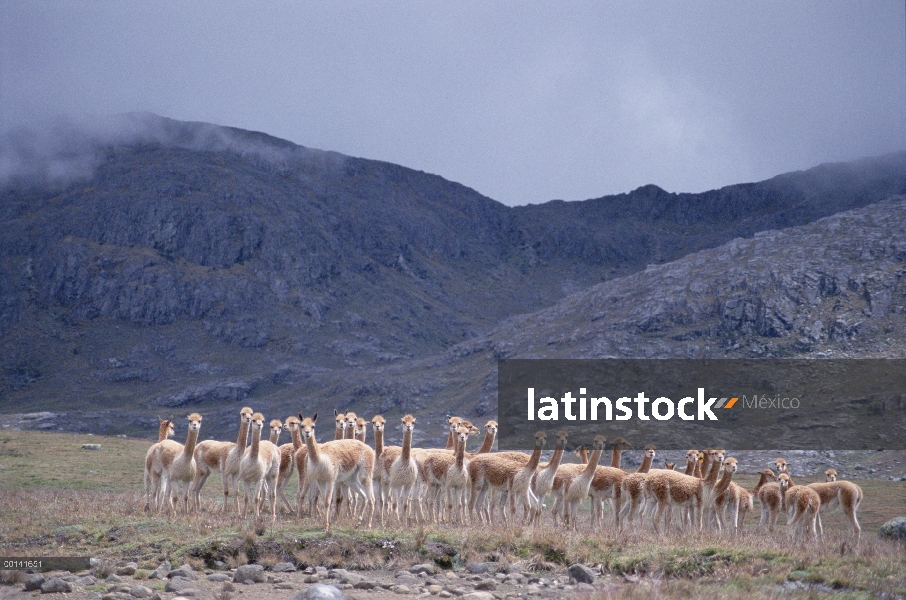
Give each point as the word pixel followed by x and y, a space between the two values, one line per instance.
pixel 347 477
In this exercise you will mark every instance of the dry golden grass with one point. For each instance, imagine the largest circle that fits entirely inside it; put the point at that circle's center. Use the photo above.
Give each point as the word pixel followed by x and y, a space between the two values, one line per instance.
pixel 53 502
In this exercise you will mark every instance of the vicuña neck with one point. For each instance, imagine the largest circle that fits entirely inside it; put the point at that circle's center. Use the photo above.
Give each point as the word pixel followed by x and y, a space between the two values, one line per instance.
pixel 646 464
pixel 535 458
pixel 338 434
pixel 460 454
pixel 711 479
pixel 275 437
pixel 297 438
pixel 243 440
pixel 407 445
pixel 724 482
pixel 593 462
pixel 313 452
pixel 761 481
pixel 616 457
pixel 557 456
pixel 378 442
pixel 163 431
pixel 706 464
pixel 487 444
pixel 256 443
pixel 452 441
pixel 189 448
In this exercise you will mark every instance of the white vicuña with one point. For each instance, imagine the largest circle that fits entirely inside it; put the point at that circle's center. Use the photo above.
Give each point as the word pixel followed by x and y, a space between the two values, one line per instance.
pixel 346 461
pixel 177 465
pixel 153 472
pixel 230 470
pixel 259 469
pixel 211 457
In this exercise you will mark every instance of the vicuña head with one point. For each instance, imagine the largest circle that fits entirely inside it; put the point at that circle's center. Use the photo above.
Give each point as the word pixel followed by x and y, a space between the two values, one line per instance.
pixel 784 481
pixel 621 444
pixel 291 424
pixel 650 451
pixel 782 465
pixel 308 426
pixel 540 439
pixel 462 434
pixel 378 422
pixel 830 475
pixel 194 422
pixel 408 423
pixel 257 421
pixel 166 430
pixel 731 464
pixel 769 474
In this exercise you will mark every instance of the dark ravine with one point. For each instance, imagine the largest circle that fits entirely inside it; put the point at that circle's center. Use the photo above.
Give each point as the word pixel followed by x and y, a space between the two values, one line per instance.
pixel 199 267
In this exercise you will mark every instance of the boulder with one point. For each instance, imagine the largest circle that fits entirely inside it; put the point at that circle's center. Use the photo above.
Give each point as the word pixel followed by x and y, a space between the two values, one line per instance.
pixel 140 591
pixel 178 584
pixel 894 529
pixel 55 586
pixel 319 591
pixel 579 573
pixel 423 568
pixel 252 572
pixel 34 582
pixel 161 571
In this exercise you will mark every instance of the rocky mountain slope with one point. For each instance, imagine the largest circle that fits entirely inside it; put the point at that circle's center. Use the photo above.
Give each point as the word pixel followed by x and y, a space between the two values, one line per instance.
pixel 833 289
pixel 183 264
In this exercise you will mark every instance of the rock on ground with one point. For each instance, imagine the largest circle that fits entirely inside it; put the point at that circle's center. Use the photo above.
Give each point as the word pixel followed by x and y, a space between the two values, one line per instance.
pixel 178 584
pixel 250 572
pixel 55 585
pixel 894 529
pixel 319 591
pixel 34 582
pixel 581 574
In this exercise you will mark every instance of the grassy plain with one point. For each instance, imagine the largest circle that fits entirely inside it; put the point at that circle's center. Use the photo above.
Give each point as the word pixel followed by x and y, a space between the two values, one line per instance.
pixel 56 498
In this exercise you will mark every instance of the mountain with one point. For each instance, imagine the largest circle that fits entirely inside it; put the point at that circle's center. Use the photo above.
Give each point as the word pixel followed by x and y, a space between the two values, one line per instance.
pixel 150 265
pixel 835 288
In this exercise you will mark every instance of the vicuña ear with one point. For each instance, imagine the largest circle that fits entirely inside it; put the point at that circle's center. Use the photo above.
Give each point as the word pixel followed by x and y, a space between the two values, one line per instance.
pixel 301 418
pixel 315 418
pixel 335 413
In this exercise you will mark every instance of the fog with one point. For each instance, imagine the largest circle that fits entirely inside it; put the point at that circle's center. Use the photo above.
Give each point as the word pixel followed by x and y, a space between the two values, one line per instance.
pixel 522 102
pixel 66 149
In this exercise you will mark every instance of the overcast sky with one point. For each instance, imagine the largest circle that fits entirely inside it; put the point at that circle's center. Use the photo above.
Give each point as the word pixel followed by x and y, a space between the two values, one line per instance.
pixel 522 101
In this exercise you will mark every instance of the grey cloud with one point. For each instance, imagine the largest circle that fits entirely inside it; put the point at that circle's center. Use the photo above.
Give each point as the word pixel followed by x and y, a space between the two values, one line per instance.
pixel 67 149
